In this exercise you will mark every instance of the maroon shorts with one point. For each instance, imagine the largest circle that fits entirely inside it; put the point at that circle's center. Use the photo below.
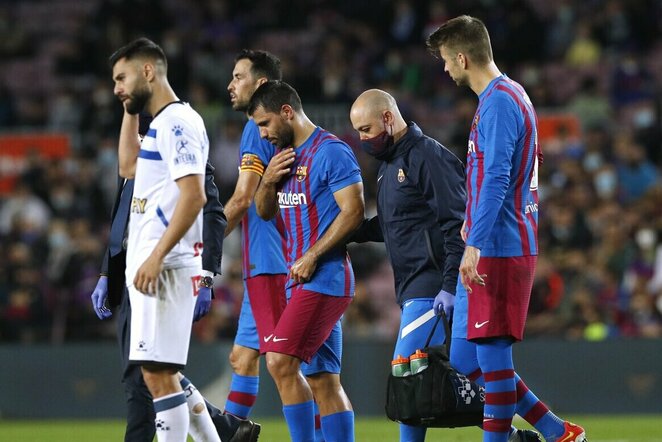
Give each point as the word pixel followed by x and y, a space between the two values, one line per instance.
pixel 306 323
pixel 266 294
pixel 499 308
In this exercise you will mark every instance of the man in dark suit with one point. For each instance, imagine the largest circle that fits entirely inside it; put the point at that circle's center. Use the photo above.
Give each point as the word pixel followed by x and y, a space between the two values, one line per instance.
pixel 110 292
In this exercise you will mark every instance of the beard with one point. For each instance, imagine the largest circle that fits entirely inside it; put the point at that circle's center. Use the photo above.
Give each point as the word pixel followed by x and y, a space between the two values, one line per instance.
pixel 138 101
pixel 241 106
pixel 285 137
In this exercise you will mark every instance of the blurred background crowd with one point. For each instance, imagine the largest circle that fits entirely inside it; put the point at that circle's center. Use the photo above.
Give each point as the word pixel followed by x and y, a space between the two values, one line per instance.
pixel 593 69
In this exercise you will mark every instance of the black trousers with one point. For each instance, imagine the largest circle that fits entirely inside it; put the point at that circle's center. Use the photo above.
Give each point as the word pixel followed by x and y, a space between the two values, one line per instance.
pixel 140 408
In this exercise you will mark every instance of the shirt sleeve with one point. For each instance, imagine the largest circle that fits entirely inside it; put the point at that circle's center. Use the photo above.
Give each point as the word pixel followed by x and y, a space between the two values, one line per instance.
pixel 498 132
pixel 340 167
pixel 255 152
pixel 182 148
pixel 440 178
pixel 214 224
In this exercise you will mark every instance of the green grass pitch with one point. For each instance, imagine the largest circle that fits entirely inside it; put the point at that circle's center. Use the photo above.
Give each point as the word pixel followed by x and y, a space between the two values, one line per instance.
pixel 600 428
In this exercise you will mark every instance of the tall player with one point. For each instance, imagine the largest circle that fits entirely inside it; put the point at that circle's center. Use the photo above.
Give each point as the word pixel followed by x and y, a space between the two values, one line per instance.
pixel 263 256
pixel 165 227
pixel 500 231
pixel 315 184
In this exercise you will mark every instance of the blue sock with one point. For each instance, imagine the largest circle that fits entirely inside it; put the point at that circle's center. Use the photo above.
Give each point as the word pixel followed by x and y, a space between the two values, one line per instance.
pixel 242 396
pixel 319 436
pixel 496 362
pixel 411 434
pixel 536 413
pixel 300 420
pixel 338 427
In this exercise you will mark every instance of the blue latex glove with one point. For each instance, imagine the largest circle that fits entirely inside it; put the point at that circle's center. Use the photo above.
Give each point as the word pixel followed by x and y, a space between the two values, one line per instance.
pixel 99 297
pixel 444 301
pixel 202 303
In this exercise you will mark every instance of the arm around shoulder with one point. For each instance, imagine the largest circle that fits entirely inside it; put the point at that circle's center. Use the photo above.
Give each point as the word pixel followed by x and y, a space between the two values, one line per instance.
pixel 368 230
pixel 214 225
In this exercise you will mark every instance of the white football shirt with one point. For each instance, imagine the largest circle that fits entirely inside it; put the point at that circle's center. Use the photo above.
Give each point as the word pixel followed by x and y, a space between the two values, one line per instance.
pixel 175 146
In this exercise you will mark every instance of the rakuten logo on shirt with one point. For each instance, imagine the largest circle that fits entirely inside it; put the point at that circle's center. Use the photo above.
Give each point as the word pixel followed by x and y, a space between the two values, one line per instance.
pixel 289 199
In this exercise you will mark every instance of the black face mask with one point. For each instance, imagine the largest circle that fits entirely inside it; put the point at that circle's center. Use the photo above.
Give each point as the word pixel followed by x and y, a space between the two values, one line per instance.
pixel 379 146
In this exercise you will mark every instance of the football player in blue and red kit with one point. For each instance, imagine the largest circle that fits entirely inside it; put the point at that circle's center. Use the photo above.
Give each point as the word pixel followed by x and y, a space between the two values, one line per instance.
pixel 314 185
pixel 263 246
pixel 263 260
pixel 500 231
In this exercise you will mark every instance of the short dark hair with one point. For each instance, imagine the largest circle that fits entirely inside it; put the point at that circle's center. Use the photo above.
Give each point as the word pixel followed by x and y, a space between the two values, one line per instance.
pixel 463 34
pixel 142 47
pixel 272 95
pixel 263 63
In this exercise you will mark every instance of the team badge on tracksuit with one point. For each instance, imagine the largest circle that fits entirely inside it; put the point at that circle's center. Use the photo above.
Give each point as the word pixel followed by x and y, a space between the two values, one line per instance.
pixel 401 175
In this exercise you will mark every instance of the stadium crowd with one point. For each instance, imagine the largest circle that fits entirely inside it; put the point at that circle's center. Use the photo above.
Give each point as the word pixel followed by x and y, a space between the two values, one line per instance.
pixel 597 63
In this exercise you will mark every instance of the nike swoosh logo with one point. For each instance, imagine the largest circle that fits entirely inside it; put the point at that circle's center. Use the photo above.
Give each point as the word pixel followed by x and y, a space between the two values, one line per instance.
pixel 569 437
pixel 268 338
pixel 380 177
pixel 408 303
pixel 279 339
pixel 480 324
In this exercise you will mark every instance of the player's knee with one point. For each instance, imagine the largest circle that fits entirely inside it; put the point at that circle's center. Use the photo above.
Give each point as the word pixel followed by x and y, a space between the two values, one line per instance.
pixel 234 360
pixel 280 365
pixel 160 380
pixel 324 384
pixel 244 361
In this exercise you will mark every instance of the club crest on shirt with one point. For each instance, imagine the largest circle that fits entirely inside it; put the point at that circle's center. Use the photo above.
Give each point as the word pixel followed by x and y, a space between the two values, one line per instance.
pixel 301 173
pixel 178 130
pixel 401 175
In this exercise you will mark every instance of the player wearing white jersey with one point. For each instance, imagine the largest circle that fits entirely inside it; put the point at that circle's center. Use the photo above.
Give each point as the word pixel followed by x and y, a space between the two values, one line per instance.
pixel 175 146
pixel 165 226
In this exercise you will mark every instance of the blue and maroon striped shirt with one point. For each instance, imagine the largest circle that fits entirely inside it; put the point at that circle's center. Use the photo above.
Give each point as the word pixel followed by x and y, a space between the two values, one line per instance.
pixel 323 166
pixel 261 242
pixel 502 172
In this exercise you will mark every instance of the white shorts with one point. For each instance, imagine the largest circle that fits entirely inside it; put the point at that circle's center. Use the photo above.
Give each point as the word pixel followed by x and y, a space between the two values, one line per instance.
pixel 161 323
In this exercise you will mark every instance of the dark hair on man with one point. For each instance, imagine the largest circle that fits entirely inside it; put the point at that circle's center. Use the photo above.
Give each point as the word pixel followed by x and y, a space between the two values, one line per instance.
pixel 263 63
pixel 142 47
pixel 272 95
pixel 464 34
